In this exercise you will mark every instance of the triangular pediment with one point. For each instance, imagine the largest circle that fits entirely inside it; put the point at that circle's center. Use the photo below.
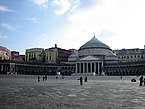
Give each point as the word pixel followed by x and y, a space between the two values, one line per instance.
pixel 90 58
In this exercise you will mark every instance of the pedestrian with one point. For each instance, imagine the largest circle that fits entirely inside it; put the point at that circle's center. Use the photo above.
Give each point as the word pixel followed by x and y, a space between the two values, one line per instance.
pixel 141 80
pixel 144 81
pixel 38 78
pixel 86 79
pixel 45 77
pixel 81 80
pixel 62 77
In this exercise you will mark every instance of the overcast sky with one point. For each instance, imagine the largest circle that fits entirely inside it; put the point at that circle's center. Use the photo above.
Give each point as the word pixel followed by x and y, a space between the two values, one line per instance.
pixel 71 23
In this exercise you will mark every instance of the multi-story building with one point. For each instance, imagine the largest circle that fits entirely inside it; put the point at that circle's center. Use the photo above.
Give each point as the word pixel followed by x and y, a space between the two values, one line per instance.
pixel 74 51
pixel 34 54
pixel 56 55
pixel 15 56
pixel 130 55
pixel 5 54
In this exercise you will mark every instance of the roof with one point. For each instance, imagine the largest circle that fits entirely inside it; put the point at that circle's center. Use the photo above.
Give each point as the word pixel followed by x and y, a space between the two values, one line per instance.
pixel 94 43
pixel 73 56
pixel 4 49
pixel 90 58
pixel 110 54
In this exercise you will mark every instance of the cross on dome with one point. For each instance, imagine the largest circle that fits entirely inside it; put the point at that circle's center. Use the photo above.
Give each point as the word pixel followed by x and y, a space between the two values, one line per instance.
pixel 94 35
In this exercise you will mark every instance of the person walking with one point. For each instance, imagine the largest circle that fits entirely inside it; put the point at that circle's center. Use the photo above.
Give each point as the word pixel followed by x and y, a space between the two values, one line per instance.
pixel 141 80
pixel 43 78
pixel 81 80
pixel 38 78
pixel 144 81
pixel 86 79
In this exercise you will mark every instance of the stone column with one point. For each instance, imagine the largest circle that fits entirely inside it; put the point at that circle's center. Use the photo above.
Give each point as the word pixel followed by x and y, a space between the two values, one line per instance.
pixel 79 67
pixel 76 67
pixel 102 68
pixel 2 68
pixel 87 68
pixel 98 68
pixel 83 67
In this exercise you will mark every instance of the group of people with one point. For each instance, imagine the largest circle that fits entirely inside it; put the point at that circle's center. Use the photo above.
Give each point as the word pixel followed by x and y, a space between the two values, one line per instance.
pixel 81 80
pixel 62 77
pixel 142 80
pixel 44 78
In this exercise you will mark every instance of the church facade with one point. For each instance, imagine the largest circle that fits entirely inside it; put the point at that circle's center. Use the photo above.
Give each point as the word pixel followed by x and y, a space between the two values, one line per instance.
pixel 92 56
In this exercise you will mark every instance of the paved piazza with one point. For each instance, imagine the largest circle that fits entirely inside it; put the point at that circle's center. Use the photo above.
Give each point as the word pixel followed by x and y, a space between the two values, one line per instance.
pixel 25 92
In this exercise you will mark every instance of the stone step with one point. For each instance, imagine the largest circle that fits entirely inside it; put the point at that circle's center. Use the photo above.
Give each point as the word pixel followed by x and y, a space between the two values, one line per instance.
pixel 85 74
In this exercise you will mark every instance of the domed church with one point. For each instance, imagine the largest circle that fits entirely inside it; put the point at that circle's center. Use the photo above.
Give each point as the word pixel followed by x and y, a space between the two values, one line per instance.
pixel 92 56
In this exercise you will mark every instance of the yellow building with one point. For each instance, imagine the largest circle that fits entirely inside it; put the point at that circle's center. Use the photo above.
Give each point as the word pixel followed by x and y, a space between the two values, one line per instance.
pixel 51 55
pixel 56 55
pixel 34 54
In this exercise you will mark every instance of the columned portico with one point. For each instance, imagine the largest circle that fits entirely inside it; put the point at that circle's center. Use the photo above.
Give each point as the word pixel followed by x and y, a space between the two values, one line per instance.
pixel 89 67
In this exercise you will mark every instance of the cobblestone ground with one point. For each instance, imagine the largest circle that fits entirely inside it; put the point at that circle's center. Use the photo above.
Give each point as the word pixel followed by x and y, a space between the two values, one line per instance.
pixel 25 92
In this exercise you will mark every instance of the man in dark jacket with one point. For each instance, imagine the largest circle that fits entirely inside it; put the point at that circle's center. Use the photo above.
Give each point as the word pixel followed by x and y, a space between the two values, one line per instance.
pixel 141 80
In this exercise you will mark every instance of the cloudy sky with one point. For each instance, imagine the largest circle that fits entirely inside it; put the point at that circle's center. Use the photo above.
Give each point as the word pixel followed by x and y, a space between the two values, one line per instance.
pixel 71 23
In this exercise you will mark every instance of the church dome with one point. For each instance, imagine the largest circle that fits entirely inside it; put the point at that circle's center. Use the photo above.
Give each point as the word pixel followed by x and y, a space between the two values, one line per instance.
pixel 73 56
pixel 94 47
pixel 94 43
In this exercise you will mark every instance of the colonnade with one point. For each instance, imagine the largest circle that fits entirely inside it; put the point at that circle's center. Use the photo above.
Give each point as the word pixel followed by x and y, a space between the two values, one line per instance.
pixel 89 67
pixel 4 68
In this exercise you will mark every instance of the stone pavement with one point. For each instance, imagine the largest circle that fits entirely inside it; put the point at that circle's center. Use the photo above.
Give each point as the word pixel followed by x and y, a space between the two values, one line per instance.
pixel 25 92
